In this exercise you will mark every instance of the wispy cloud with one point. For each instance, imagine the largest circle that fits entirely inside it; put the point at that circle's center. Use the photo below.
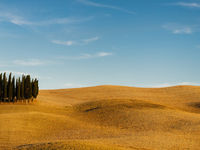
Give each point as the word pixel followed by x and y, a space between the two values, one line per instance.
pixel 29 62
pixel 94 4
pixel 17 73
pixel 90 40
pixel 19 20
pixel 67 43
pixel 103 54
pixel 13 72
pixel 174 84
pixel 14 19
pixel 87 56
pixel 186 4
pixel 179 29
pixel 73 85
pixel 71 42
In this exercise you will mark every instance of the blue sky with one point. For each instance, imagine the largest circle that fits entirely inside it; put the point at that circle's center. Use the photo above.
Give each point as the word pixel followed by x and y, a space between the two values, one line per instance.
pixel 77 43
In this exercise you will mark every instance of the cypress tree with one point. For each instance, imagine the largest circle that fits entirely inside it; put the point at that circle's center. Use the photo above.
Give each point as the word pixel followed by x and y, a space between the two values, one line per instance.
pixel 14 89
pixel 18 88
pixel 22 87
pixel 4 87
pixel 28 89
pixel 17 82
pixel 25 87
pixel 35 88
pixel 32 87
pixel 10 91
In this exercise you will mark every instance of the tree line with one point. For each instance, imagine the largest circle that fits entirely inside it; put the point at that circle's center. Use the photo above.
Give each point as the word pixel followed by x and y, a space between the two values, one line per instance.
pixel 23 88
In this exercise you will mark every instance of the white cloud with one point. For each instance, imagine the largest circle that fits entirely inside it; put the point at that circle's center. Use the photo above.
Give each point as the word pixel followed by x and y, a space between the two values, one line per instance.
pixel 67 43
pixel 30 62
pixel 90 40
pixel 103 54
pixel 7 17
pixel 179 29
pixel 174 84
pixel 14 19
pixel 73 85
pixel 185 30
pixel 26 62
pixel 13 72
pixel 100 54
pixel 17 73
pixel 188 83
pixel 192 5
pixel 81 42
pixel 94 4
pixel 87 56
pixel 19 20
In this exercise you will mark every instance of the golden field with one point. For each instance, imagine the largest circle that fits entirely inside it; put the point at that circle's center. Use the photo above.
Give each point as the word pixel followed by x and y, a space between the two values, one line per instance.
pixel 104 118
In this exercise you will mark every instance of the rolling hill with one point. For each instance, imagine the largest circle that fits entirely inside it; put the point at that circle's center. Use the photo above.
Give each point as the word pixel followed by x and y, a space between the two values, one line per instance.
pixel 105 117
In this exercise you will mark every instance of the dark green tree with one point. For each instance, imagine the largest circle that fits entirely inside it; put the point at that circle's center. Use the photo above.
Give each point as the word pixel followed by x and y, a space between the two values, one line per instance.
pixel 22 87
pixel 28 87
pixel 30 91
pixel 10 90
pixel 35 88
pixel 18 88
pixel 14 89
pixel 4 87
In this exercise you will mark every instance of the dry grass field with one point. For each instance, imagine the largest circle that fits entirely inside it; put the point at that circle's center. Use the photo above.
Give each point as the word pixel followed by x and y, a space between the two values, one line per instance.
pixel 104 118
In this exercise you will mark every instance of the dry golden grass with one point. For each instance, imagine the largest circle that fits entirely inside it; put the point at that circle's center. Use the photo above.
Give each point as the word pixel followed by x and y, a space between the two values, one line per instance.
pixel 105 117
pixel 69 145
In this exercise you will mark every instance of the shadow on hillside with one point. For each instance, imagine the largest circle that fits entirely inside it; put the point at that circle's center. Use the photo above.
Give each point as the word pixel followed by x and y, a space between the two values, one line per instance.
pixel 195 105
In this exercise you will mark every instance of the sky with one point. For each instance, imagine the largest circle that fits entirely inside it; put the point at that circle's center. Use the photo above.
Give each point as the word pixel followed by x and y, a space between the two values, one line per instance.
pixel 80 43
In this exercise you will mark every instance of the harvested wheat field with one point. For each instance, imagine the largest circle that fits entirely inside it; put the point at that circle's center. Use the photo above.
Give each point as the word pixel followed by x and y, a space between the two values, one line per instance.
pixel 104 118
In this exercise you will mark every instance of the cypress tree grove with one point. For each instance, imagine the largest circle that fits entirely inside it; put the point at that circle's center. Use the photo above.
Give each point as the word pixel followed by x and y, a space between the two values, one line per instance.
pixel 12 90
